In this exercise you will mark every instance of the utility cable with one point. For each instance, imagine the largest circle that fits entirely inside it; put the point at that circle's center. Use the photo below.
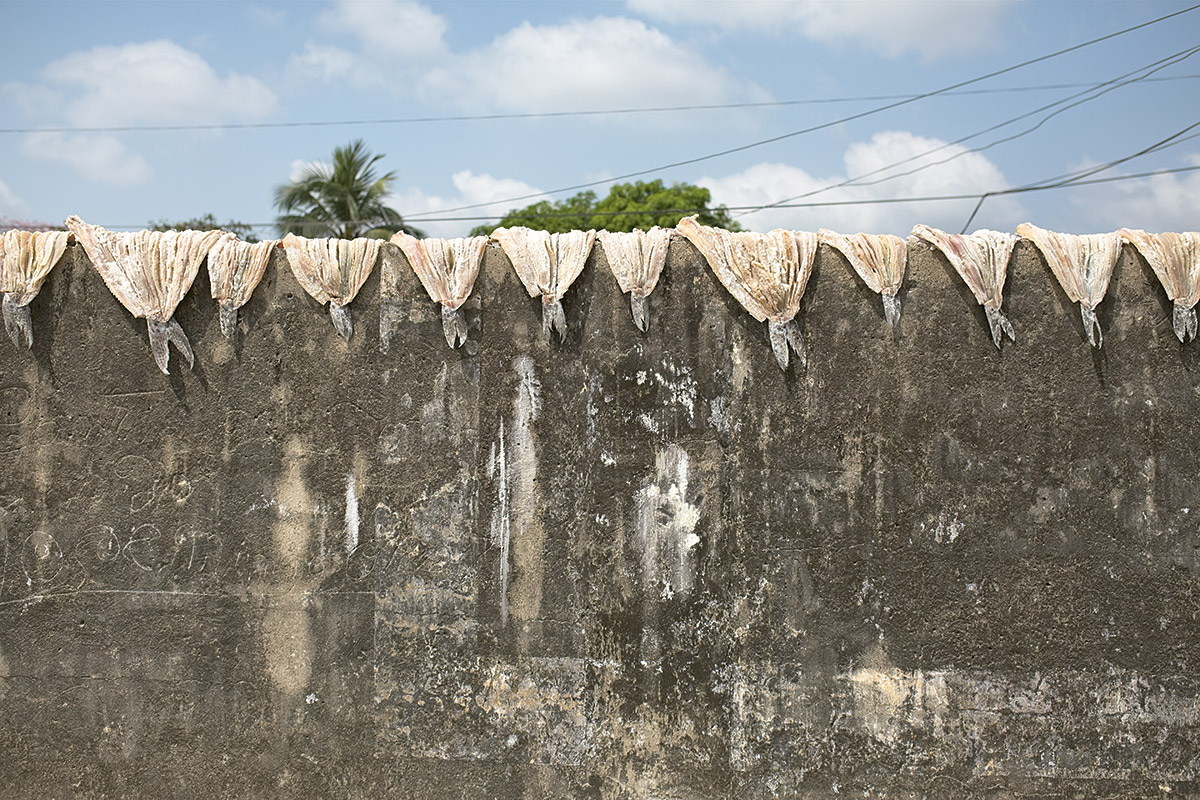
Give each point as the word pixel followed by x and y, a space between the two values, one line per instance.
pixel 1104 88
pixel 1072 178
pixel 824 125
pixel 604 112
pixel 818 204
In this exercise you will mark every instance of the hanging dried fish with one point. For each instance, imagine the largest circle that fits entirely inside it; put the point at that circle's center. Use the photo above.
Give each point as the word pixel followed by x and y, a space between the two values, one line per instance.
pixel 25 261
pixel 1083 266
pixel 766 272
pixel 636 259
pixel 149 272
pixel 547 264
pixel 447 269
pixel 981 260
pixel 234 270
pixel 332 271
pixel 1175 259
pixel 879 259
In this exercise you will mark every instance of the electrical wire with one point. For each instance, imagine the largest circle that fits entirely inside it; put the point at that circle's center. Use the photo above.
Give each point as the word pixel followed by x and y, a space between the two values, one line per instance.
pixel 818 204
pixel 824 125
pixel 1098 91
pixel 1072 178
pixel 233 126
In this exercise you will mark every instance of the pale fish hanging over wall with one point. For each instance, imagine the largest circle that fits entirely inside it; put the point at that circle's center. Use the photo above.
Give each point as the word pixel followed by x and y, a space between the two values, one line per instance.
pixel 981 260
pixel 766 272
pixel 149 272
pixel 447 269
pixel 332 271
pixel 25 261
pixel 1083 266
pixel 879 259
pixel 234 270
pixel 547 264
pixel 1175 259
pixel 636 259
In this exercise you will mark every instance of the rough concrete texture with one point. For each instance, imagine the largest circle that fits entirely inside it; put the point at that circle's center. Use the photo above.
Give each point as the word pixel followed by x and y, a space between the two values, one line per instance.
pixel 647 566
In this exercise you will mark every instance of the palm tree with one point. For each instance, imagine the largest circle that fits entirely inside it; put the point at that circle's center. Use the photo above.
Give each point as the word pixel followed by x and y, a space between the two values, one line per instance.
pixel 344 200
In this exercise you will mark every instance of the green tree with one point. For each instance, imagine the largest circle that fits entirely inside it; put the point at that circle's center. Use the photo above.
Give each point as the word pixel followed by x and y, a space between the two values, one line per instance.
pixel 628 206
pixel 207 222
pixel 344 200
pixel 571 214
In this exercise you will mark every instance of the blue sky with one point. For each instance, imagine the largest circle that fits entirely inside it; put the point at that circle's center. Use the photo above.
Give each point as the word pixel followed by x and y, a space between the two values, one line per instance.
pixel 119 64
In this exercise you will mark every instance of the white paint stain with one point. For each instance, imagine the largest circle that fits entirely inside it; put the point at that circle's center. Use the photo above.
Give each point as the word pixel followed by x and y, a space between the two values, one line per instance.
pixel 666 524
pixel 352 519
pixel 433 413
pixel 945 528
pixel 528 537
pixel 678 386
pixel 501 528
pixel 593 388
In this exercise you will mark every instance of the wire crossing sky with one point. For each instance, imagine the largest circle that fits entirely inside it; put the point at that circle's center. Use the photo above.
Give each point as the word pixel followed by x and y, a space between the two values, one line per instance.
pixel 139 112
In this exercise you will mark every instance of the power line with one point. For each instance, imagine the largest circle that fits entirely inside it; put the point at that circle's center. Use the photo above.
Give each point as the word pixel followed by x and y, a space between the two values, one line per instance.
pixel 1071 178
pixel 822 126
pixel 1104 88
pixel 818 204
pixel 228 126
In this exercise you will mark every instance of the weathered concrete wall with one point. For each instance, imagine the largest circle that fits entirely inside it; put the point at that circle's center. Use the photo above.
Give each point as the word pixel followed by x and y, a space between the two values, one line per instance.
pixel 628 566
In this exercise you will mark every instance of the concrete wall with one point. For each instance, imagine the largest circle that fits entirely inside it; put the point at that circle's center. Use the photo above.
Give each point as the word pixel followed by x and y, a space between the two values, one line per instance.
pixel 627 566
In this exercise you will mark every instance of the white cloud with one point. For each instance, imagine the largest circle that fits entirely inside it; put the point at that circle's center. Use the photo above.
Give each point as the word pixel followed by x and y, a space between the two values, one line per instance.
pixel 607 61
pixel 470 189
pixel 970 173
pixel 334 65
pixel 299 166
pixel 930 28
pixel 150 83
pixel 10 204
pixel 390 28
pixel 1158 203
pixel 394 42
pixel 99 157
pixel 613 61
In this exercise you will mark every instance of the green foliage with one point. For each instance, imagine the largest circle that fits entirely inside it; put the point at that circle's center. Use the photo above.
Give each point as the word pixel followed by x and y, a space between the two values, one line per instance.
pixel 628 206
pixel 571 214
pixel 644 204
pixel 207 222
pixel 345 200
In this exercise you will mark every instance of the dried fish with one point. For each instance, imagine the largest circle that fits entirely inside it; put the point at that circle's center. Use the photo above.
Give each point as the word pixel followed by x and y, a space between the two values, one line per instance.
pixel 25 261
pixel 1175 259
pixel 332 271
pixel 447 269
pixel 879 259
pixel 234 270
pixel 1083 266
pixel 547 264
pixel 149 272
pixel 981 260
pixel 766 272
pixel 636 259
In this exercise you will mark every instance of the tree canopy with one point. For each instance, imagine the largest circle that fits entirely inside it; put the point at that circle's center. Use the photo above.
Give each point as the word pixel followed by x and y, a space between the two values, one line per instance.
pixel 628 206
pixel 207 222
pixel 345 199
